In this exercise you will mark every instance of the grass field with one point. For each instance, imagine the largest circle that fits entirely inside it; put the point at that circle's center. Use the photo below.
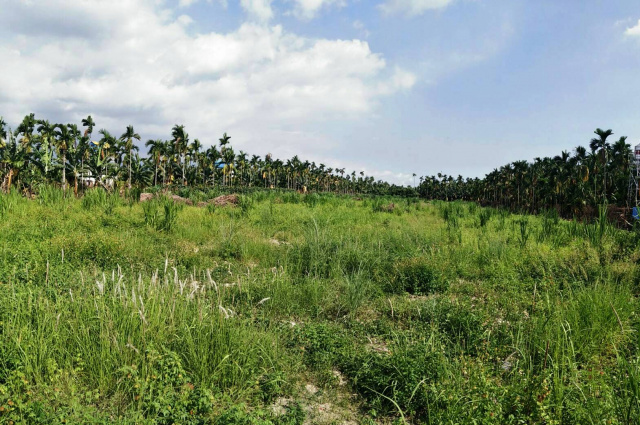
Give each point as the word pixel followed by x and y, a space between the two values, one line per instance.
pixel 318 309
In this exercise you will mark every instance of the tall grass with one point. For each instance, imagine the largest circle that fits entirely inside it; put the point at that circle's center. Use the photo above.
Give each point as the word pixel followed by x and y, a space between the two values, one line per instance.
pixel 596 231
pixel 161 213
pixel 117 335
pixel 442 313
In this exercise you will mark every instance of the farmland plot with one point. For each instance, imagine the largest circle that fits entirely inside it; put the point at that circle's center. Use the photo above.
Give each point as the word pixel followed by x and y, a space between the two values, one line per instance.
pixel 292 309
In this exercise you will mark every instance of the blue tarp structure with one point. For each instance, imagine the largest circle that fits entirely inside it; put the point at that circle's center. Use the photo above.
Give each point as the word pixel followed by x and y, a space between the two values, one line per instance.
pixel 634 213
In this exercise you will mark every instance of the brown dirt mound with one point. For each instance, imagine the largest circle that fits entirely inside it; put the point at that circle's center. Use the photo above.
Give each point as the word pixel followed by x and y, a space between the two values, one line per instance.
pixel 221 201
pixel 224 200
pixel 181 200
pixel 144 197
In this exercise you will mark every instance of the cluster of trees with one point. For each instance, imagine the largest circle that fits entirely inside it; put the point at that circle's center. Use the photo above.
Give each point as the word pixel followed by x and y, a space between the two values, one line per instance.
pixel 41 152
pixel 67 154
pixel 571 183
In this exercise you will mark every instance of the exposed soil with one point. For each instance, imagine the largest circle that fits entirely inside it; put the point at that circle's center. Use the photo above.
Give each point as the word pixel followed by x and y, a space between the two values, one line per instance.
pixel 220 201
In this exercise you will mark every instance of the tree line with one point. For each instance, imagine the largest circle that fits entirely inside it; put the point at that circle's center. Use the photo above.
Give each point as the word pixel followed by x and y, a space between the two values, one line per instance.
pixel 76 156
pixel 573 183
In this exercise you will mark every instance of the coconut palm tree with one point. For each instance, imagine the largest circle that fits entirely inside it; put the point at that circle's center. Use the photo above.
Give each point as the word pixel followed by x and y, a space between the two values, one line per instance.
pixel 127 137
pixel 141 171
pixel 63 140
pixel 224 141
pixel 619 168
pixel 194 153
pixel 180 145
pixel 155 150
pixel 26 128
pixel 212 156
pixel 88 123
pixel 599 144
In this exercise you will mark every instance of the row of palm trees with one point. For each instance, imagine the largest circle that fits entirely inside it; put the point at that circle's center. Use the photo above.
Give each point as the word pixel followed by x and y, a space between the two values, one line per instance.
pixel 569 182
pixel 41 152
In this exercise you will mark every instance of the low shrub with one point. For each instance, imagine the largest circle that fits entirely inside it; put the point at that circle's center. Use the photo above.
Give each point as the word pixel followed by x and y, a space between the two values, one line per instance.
pixel 322 344
pixel 418 277
pixel 153 213
pixel 401 381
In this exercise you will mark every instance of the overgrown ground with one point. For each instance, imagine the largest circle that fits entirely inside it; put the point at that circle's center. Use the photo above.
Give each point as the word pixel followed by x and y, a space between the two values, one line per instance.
pixel 294 309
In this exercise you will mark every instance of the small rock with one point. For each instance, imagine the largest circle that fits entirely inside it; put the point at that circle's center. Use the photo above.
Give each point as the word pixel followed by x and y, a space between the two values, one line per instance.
pixel 339 377
pixel 279 407
pixel 311 389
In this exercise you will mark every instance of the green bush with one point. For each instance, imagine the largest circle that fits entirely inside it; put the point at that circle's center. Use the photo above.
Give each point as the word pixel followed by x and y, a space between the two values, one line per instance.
pixel 241 415
pixel 161 213
pixel 245 202
pixel 403 381
pixel 484 216
pixel 164 391
pixel 322 344
pixel 94 198
pixel 6 204
pixel 50 195
pixel 419 277
pixel 525 232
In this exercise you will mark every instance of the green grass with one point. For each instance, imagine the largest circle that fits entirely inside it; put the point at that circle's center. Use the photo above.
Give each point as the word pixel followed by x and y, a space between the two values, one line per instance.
pixel 434 313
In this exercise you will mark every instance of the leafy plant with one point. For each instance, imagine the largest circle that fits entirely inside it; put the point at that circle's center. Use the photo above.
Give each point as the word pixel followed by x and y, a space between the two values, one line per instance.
pixel 549 225
pixel 525 232
pixel 94 198
pixel 153 213
pixel 246 204
pixel 596 231
pixel 420 278
pixel 484 216
pixel 400 382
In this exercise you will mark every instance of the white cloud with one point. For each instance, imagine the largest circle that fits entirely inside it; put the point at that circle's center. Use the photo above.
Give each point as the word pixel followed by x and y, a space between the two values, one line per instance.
pixel 412 7
pixel 133 63
pixel 390 176
pixel 634 31
pixel 361 28
pixel 308 9
pixel 258 9
pixel 186 3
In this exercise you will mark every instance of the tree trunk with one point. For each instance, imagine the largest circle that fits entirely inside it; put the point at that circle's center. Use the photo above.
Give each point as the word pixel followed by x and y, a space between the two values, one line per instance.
pixel 9 180
pixel 129 169
pixel 184 170
pixel 64 171
pixel 82 171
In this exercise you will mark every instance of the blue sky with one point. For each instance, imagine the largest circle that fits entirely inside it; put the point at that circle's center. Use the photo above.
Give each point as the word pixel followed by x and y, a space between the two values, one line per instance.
pixel 391 87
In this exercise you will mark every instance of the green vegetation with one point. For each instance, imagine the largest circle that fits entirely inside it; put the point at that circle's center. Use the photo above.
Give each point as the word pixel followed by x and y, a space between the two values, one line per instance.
pixel 39 152
pixel 573 185
pixel 319 308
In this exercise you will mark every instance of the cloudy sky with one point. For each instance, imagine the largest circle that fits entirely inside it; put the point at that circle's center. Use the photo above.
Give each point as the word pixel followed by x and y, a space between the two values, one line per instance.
pixel 391 87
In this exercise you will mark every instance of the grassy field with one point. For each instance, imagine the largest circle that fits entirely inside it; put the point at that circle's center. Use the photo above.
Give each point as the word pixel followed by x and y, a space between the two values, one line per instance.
pixel 317 309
